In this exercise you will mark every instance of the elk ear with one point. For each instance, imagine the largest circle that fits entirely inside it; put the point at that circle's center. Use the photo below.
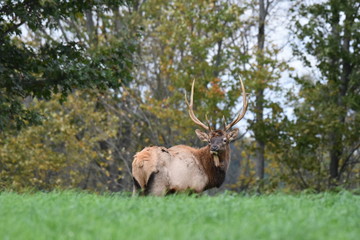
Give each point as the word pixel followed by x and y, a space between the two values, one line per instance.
pixel 232 135
pixel 202 136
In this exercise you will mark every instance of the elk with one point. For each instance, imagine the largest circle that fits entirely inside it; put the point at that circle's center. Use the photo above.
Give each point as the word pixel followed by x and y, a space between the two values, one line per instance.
pixel 160 171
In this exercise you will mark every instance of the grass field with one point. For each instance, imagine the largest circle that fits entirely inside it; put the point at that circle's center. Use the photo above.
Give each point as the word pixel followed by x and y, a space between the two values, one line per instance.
pixel 70 215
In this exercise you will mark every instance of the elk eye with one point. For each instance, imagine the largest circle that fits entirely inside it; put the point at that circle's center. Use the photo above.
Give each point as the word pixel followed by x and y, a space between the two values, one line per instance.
pixel 225 140
pixel 209 142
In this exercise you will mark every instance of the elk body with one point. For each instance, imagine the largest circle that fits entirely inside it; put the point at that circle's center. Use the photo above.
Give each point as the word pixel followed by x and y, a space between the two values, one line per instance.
pixel 160 171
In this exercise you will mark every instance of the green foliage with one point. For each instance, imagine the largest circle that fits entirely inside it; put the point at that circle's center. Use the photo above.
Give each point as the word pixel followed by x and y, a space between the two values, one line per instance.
pixel 60 215
pixel 51 65
pixel 321 144
pixel 65 151
pixel 305 142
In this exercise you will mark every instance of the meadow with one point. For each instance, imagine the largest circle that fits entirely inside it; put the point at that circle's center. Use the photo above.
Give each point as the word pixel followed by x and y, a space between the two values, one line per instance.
pixel 74 215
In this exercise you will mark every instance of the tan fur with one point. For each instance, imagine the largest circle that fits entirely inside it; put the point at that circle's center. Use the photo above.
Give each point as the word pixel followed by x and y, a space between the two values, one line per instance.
pixel 216 160
pixel 178 168
pixel 143 165
pixel 149 160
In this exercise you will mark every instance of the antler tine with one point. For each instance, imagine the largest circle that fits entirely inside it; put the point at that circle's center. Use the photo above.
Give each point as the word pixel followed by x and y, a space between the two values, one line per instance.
pixel 240 115
pixel 208 122
pixel 191 111
pixel 224 121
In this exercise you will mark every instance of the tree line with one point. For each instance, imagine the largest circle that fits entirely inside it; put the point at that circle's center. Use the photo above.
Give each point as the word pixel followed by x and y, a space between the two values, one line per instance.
pixel 87 84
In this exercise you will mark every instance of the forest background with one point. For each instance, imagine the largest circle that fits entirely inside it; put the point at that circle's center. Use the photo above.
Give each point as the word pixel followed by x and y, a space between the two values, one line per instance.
pixel 87 84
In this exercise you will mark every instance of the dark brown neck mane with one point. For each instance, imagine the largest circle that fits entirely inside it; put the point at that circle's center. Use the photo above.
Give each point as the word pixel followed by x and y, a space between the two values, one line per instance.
pixel 215 174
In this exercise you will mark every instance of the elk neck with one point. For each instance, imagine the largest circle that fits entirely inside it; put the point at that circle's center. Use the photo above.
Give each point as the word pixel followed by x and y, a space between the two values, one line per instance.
pixel 216 175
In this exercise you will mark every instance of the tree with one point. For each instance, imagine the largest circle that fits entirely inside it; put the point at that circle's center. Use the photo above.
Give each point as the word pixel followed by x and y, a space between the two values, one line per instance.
pixel 199 47
pixel 51 49
pixel 262 70
pixel 259 92
pixel 329 35
pixel 38 69
pixel 70 149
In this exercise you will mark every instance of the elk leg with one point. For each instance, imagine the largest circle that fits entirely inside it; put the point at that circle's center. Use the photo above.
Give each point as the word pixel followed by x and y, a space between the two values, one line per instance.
pixel 136 187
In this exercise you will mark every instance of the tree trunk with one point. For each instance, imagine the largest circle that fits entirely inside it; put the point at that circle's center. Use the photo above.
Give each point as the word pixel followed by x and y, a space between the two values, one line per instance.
pixel 90 27
pixel 259 106
pixel 118 27
pixel 336 150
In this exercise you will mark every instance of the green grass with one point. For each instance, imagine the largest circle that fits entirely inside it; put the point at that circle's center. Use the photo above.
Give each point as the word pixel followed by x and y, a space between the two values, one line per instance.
pixel 70 215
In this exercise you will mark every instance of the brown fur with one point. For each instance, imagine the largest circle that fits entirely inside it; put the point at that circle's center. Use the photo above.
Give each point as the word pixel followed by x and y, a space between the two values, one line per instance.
pixel 215 174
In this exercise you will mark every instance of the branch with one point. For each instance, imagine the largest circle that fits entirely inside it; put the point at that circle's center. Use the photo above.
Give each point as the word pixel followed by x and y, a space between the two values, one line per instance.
pixel 117 150
pixel 347 159
pixel 12 28
pixel 62 31
pixel 72 24
pixel 268 3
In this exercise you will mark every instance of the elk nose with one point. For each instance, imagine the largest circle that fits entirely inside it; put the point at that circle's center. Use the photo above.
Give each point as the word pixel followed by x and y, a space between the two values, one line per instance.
pixel 214 148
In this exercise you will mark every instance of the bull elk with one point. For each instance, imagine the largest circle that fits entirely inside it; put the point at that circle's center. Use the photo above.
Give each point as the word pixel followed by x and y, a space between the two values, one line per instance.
pixel 159 171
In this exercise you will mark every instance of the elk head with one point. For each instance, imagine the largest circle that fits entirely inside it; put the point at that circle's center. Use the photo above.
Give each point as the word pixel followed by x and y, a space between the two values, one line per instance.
pixel 220 139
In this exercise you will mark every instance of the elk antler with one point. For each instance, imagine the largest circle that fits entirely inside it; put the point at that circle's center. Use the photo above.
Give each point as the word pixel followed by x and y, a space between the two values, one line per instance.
pixel 191 111
pixel 240 115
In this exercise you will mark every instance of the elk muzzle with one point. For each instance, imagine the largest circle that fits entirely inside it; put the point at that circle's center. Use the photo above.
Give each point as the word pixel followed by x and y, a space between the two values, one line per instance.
pixel 214 149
